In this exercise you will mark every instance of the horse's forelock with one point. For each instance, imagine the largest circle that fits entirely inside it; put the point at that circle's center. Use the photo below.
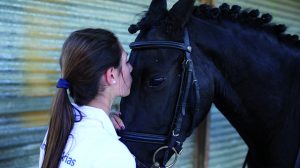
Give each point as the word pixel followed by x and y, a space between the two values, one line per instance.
pixel 164 22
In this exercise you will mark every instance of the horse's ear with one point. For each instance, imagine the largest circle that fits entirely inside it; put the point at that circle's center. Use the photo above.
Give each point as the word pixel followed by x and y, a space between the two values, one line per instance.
pixel 158 6
pixel 182 10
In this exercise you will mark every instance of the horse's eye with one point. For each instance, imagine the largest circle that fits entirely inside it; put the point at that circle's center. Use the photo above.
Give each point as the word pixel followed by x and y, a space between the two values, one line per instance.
pixel 156 81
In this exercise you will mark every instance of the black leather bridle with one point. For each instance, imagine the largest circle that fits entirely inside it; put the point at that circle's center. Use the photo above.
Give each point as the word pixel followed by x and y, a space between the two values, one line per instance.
pixel 172 142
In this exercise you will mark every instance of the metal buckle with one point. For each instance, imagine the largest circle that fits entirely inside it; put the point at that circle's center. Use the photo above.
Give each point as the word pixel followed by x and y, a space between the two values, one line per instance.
pixel 157 165
pixel 175 135
pixel 189 48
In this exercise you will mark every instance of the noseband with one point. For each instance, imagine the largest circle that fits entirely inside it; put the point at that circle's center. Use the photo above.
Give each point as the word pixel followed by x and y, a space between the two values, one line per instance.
pixel 172 143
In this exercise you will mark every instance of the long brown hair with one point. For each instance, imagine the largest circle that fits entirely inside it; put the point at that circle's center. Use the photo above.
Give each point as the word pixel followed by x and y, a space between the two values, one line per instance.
pixel 86 54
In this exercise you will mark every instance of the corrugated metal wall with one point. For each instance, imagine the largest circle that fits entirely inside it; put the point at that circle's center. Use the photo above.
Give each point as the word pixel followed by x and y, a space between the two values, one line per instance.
pixel 186 158
pixel 32 33
pixel 227 149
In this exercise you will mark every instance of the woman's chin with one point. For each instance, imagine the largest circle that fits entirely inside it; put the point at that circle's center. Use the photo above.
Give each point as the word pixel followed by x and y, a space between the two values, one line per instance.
pixel 125 94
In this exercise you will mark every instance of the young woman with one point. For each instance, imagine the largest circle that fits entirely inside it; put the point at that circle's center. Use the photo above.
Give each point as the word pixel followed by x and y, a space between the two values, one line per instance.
pixel 94 71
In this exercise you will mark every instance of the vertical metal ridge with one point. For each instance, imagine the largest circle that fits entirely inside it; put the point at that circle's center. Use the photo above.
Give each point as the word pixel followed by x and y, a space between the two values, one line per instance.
pixel 32 34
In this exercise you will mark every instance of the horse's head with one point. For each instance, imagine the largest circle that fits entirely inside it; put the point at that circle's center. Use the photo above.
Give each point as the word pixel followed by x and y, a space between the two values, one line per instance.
pixel 165 89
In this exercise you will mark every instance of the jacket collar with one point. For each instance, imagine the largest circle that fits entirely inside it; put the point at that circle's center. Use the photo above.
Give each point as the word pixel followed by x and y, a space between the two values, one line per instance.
pixel 96 114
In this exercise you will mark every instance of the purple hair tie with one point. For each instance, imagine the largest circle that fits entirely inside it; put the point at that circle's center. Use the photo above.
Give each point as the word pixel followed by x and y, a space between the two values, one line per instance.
pixel 62 83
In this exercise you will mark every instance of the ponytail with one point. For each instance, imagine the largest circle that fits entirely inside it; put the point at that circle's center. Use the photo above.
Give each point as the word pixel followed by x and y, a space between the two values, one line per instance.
pixel 61 124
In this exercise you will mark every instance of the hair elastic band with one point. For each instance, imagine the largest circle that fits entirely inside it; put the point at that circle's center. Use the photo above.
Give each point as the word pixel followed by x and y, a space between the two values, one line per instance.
pixel 62 83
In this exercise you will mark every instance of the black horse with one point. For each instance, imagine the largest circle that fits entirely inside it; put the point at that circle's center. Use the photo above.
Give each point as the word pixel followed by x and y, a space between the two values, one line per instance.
pixel 240 61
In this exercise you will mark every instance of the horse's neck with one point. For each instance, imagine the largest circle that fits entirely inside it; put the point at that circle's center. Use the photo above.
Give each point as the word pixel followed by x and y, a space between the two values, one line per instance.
pixel 231 45
pixel 259 74
pixel 246 55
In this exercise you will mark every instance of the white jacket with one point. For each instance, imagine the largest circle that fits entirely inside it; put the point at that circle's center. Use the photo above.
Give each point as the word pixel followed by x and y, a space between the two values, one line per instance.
pixel 93 143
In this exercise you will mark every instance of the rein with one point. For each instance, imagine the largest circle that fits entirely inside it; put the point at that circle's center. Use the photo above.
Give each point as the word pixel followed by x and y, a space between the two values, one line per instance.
pixel 171 143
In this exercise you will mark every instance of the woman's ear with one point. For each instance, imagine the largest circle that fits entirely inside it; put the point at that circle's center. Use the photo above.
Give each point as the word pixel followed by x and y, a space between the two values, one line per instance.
pixel 111 76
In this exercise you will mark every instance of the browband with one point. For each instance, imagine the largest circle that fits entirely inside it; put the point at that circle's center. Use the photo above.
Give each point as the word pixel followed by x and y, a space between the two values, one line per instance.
pixel 160 44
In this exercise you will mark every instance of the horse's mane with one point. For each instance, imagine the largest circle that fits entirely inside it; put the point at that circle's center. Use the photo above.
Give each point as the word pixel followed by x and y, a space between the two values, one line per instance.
pixel 252 18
